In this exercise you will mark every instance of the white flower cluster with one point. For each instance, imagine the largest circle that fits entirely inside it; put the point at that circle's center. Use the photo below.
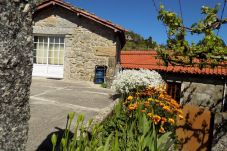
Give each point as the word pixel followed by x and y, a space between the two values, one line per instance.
pixel 128 80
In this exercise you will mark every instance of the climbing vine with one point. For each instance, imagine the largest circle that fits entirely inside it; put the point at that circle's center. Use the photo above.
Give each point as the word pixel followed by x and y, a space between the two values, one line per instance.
pixel 210 51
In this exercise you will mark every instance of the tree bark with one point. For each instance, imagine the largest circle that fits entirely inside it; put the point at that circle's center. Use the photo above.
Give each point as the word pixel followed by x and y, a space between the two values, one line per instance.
pixel 15 72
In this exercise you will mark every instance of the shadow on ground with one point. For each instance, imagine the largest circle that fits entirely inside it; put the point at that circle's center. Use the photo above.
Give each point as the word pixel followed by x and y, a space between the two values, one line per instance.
pixel 46 145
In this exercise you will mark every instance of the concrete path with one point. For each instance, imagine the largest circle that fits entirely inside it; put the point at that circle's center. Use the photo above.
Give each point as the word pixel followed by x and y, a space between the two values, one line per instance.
pixel 52 99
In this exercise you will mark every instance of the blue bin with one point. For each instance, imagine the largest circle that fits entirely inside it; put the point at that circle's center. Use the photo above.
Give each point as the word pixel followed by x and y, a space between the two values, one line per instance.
pixel 99 75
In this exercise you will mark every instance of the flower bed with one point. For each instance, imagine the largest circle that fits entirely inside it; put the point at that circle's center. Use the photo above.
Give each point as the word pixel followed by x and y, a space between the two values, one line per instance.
pixel 144 119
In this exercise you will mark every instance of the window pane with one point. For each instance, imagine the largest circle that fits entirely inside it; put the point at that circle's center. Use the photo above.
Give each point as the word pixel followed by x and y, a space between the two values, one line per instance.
pixel 51 39
pixel 45 50
pixel 57 47
pixel 39 53
pixel 45 39
pixel 61 40
pixel 41 46
pixel 56 61
pixel 51 47
pixel 51 54
pixel 35 45
pixel 39 60
pixel 57 39
pixel 56 57
pixel 45 60
pixel 61 54
pixel 34 53
pixel 41 40
pixel 34 59
pixel 51 60
pixel 35 39
pixel 62 47
pixel 61 61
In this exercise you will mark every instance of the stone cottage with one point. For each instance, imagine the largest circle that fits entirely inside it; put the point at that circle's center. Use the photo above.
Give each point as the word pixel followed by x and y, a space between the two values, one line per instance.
pixel 72 43
pixel 206 87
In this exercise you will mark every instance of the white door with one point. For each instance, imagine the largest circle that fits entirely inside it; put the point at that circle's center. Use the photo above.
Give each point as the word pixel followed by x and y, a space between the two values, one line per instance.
pixel 48 56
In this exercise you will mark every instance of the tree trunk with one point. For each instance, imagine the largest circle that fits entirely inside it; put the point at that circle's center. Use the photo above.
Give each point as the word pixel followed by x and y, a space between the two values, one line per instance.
pixel 15 72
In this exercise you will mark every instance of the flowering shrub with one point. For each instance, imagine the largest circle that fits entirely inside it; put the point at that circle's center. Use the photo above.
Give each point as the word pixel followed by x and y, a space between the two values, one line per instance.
pixel 158 106
pixel 129 80
pixel 144 120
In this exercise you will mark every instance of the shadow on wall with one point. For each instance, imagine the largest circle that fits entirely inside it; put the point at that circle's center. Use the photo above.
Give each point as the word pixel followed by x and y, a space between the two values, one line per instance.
pixel 220 131
pixel 195 131
pixel 213 106
pixel 46 145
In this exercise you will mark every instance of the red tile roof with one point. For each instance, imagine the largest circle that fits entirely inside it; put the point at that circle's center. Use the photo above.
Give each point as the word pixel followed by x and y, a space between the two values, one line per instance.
pixel 82 12
pixel 148 60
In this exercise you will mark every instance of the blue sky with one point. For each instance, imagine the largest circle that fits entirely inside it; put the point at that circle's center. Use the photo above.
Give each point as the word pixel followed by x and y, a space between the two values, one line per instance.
pixel 141 17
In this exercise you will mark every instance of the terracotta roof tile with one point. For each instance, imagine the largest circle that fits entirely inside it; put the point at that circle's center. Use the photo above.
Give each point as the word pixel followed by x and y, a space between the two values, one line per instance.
pixel 147 60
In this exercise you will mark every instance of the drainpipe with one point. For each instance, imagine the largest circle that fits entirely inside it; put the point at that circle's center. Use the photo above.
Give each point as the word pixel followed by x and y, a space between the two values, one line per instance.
pixel 224 98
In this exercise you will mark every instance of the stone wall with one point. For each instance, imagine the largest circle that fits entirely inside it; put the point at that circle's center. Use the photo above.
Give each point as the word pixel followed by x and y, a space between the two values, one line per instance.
pixel 15 72
pixel 87 43
pixel 205 91
pixel 205 95
pixel 220 132
pixel 201 90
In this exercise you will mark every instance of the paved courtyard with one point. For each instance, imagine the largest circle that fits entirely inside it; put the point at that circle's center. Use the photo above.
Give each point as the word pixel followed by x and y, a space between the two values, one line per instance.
pixel 52 99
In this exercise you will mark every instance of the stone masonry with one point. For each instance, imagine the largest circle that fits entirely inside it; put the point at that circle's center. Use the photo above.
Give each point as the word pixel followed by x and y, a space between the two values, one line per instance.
pixel 200 90
pixel 205 91
pixel 15 73
pixel 87 43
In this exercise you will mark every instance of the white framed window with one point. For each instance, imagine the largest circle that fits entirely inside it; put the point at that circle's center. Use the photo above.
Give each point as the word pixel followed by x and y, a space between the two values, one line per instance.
pixel 48 50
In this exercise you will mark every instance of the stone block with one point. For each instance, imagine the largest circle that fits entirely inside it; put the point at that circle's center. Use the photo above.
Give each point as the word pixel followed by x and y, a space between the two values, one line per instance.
pixel 112 62
pixel 106 51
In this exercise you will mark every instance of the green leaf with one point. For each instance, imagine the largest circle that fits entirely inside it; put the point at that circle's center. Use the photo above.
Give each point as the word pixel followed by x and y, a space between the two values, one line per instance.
pixel 107 143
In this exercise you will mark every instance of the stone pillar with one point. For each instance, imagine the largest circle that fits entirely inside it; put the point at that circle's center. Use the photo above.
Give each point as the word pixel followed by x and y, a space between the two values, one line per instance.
pixel 15 72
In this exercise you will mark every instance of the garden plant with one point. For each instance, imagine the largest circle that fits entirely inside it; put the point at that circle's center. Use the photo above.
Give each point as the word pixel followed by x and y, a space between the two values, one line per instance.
pixel 143 120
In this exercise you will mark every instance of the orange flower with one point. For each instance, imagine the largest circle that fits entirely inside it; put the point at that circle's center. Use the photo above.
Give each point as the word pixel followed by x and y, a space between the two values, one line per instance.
pixel 143 111
pixel 130 98
pixel 167 108
pixel 163 120
pixel 162 130
pixel 146 104
pixel 133 106
pixel 171 121
pixel 156 119
pixel 174 103
pixel 161 104
pixel 161 96
pixel 150 115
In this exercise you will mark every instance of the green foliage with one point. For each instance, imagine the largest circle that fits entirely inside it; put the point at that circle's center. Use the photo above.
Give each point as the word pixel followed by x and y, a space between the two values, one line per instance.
pixel 211 50
pixel 137 42
pixel 136 132
pixel 118 132
pixel 104 85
